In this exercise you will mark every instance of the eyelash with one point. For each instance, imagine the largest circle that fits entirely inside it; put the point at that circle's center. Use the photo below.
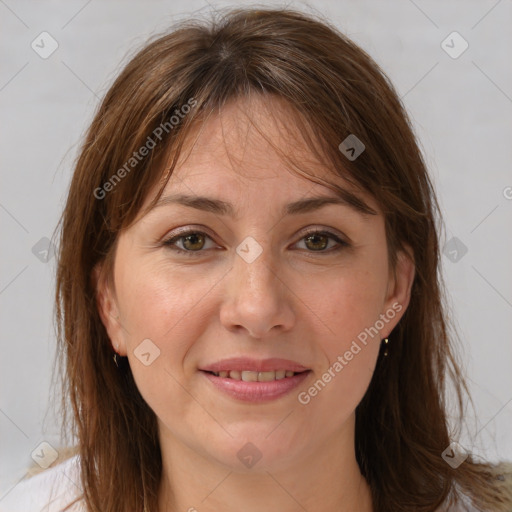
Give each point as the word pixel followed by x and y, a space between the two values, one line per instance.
pixel 170 242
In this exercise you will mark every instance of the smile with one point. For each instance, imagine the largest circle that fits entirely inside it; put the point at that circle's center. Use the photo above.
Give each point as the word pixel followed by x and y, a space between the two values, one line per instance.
pixel 250 376
pixel 250 386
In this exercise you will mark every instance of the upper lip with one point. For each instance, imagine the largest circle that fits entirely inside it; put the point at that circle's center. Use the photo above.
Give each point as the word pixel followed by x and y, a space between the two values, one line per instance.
pixel 255 365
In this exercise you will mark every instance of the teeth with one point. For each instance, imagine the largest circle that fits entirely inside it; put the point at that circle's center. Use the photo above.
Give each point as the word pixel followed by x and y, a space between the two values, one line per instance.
pixel 249 376
pixel 266 376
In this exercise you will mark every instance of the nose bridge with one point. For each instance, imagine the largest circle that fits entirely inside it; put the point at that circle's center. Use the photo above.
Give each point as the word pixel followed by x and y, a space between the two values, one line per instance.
pixel 256 296
pixel 253 267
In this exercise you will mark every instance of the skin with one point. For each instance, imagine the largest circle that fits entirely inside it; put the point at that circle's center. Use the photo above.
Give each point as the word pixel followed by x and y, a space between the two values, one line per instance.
pixel 291 302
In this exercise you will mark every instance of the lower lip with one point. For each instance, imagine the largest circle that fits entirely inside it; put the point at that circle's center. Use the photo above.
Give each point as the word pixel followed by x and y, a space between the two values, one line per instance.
pixel 256 391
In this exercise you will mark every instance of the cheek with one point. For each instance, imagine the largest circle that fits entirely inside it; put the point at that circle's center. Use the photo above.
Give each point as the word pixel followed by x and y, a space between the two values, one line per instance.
pixel 349 304
pixel 162 305
pixel 167 308
pixel 349 307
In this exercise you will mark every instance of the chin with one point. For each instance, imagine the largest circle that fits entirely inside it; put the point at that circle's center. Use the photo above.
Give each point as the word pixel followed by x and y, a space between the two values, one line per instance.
pixel 257 448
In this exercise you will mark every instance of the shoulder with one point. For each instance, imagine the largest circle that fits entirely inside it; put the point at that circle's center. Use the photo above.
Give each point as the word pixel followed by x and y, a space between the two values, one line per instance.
pixel 50 490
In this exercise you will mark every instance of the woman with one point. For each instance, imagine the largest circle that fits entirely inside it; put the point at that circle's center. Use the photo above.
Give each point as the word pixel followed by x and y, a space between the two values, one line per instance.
pixel 252 233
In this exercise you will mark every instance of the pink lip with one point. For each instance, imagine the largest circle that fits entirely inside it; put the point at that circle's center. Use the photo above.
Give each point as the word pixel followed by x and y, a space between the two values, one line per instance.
pixel 256 391
pixel 254 365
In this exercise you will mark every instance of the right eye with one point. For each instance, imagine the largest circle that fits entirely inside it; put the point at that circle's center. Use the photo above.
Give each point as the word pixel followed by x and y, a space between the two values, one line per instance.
pixel 192 242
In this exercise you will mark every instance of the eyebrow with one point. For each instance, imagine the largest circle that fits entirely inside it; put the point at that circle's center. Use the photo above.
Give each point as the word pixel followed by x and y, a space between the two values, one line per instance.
pixel 219 207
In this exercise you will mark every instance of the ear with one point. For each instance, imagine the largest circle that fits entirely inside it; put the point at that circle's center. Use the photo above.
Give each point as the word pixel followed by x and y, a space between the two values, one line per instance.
pixel 107 308
pixel 399 289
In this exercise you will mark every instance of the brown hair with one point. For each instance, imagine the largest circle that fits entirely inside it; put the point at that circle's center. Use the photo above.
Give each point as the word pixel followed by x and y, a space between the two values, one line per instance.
pixel 336 90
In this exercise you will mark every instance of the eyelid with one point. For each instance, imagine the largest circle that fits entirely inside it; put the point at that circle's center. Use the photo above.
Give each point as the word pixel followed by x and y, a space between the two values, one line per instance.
pixel 334 233
pixel 187 230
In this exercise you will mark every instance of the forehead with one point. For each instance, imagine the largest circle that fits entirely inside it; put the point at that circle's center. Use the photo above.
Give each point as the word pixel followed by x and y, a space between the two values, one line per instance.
pixel 252 147
pixel 244 138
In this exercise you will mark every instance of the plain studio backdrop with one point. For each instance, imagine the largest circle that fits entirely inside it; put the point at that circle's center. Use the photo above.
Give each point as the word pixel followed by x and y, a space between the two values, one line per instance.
pixel 449 63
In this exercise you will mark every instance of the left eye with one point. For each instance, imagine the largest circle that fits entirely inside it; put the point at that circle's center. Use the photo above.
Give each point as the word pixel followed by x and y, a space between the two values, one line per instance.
pixel 193 242
pixel 319 241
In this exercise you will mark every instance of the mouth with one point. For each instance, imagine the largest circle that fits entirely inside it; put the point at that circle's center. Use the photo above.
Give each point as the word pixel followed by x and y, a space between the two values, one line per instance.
pixel 252 376
pixel 255 381
pixel 248 366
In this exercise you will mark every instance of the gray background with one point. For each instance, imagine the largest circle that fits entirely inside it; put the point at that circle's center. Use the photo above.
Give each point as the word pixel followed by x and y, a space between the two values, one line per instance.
pixel 461 109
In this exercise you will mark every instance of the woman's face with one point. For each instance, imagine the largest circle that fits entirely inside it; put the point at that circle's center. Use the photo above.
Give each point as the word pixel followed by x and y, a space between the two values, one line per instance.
pixel 253 283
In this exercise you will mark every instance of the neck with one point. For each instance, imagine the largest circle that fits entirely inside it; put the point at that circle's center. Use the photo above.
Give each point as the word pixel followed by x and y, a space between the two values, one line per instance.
pixel 327 478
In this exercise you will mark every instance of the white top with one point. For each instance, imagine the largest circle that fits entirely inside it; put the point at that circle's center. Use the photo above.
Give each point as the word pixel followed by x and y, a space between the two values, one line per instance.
pixel 49 491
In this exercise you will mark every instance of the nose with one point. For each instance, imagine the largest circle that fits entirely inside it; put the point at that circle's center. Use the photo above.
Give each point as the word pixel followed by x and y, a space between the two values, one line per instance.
pixel 257 297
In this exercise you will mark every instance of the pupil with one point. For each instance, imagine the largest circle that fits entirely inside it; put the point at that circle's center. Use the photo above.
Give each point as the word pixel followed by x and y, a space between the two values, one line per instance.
pixel 313 237
pixel 194 236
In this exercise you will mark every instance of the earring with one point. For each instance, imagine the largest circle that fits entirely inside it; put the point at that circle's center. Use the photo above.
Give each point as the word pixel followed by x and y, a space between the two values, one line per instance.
pixel 116 357
pixel 386 341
